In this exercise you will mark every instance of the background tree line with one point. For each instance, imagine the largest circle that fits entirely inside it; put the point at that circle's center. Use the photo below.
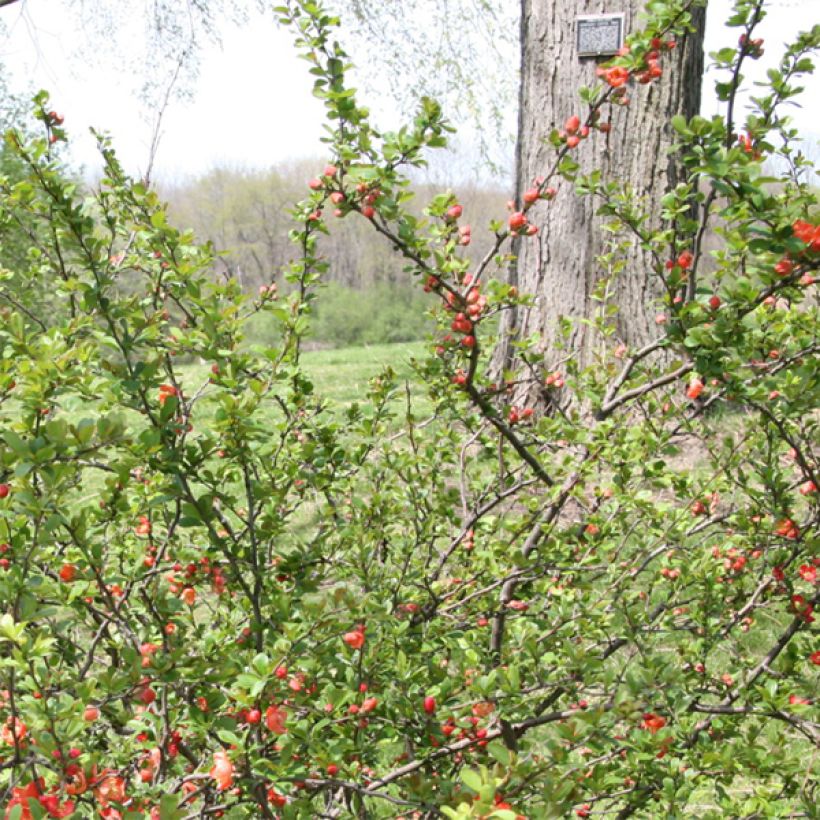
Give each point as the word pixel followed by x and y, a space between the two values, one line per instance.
pixel 369 297
pixel 246 215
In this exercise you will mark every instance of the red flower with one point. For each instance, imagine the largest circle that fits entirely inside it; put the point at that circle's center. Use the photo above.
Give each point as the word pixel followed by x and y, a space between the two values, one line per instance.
pixel 808 573
pixel 685 260
pixel 67 572
pixel 21 796
pixel 695 389
pixel 76 782
pixel 14 731
pixel 144 526
pixel 815 658
pixel 275 720
pixel 802 609
pixel 109 788
pixel 788 529
pixel 808 233
pixel 517 221
pixel 166 391
pixel 617 76
pixel 653 723
pixel 276 799
pixel 51 803
pixel 355 639
pixel 222 770
pixel 784 267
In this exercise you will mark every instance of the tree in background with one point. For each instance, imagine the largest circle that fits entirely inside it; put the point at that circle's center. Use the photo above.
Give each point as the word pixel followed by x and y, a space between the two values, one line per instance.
pixel 560 269
pixel 463 53
pixel 630 142
pixel 370 298
pixel 172 33
pixel 164 65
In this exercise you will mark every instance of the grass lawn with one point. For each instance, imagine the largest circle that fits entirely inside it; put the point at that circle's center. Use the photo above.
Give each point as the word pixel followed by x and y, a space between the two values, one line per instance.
pixel 342 375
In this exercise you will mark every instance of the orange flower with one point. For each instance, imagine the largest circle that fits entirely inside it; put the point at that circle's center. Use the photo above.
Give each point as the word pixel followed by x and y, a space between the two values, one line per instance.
pixel 483 709
pixel 20 797
pixel 68 572
pixel 275 720
pixel 76 783
pixel 146 651
pixel 166 391
pixel 14 731
pixel 788 529
pixel 222 770
pixel 695 389
pixel 151 762
pixel 144 526
pixel 109 787
pixel 653 723
pixel 746 143
pixel 355 640
pixel 617 76
pixel 808 233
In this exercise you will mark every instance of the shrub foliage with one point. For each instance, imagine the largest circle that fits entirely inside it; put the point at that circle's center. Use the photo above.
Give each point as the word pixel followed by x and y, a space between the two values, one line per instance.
pixel 224 597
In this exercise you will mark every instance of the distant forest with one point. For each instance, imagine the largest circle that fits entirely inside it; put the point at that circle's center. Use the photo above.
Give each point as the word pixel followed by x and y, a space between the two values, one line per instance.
pixel 369 298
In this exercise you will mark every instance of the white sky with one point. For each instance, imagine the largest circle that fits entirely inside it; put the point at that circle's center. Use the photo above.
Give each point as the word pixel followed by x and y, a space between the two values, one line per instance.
pixel 252 104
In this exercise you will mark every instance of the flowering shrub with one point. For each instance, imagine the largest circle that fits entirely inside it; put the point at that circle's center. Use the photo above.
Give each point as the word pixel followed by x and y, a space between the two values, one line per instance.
pixel 224 597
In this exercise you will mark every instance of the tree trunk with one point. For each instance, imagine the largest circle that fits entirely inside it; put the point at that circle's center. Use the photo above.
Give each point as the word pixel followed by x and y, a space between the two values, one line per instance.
pixel 559 266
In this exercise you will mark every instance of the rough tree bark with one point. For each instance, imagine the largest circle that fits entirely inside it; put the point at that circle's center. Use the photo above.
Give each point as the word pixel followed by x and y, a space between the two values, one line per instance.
pixel 559 267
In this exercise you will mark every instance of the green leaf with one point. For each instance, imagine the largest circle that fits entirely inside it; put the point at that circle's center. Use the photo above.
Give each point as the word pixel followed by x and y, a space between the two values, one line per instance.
pixel 680 125
pixel 169 808
pixel 500 752
pixel 472 779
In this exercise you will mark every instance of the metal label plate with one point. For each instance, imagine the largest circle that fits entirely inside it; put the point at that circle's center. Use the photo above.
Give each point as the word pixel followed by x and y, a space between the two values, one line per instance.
pixel 599 35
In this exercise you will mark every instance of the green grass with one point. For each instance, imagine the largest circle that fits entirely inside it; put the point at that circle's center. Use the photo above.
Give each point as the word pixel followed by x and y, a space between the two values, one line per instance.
pixel 342 375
